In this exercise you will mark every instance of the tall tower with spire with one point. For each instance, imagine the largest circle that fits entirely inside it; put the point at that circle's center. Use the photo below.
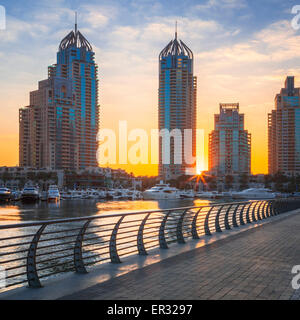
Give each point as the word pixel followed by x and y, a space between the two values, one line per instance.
pixel 58 129
pixel 177 107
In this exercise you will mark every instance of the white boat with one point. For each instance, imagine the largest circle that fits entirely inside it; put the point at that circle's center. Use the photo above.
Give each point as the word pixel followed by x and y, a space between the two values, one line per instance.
pixel 92 194
pixel 5 194
pixel 102 194
pixel 206 195
pixel 134 195
pixel 161 191
pixel 187 194
pixel 226 194
pixel 78 194
pixel 66 195
pixel 53 193
pixel 30 193
pixel 254 194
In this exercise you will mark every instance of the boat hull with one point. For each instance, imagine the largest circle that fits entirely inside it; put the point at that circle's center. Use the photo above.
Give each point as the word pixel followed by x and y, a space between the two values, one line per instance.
pixel 252 197
pixel 53 199
pixel 159 196
pixel 5 197
pixel 29 198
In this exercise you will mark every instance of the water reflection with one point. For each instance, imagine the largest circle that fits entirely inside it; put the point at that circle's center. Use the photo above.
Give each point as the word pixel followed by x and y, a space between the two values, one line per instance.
pixel 56 253
pixel 79 208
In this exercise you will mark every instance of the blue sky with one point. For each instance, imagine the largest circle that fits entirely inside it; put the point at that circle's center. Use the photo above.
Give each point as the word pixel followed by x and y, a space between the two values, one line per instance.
pixel 243 51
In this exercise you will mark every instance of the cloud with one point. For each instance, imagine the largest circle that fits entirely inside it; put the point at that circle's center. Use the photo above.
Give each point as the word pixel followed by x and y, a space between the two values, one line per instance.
pixel 230 68
pixel 221 4
pixel 95 16
pixel 16 28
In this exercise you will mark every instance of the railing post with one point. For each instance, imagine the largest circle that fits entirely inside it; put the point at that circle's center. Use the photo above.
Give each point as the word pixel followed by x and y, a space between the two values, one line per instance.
pixel 226 222
pixel 206 223
pixel 113 251
pixel 31 269
pixel 217 220
pixel 78 260
pixel 234 222
pixel 242 222
pixel 179 233
pixel 248 213
pixel 194 225
pixel 264 209
pixel 258 210
pixel 282 206
pixel 162 238
pixel 253 212
pixel 275 207
pixel 267 211
pixel 140 238
pixel 271 208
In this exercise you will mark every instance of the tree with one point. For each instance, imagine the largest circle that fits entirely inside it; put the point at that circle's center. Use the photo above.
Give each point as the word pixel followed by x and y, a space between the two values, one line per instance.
pixel 229 181
pixel 211 181
pixel 279 180
pixel 244 180
pixel 267 180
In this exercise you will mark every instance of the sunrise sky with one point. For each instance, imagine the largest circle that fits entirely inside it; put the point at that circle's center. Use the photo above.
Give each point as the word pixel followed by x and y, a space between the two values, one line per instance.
pixel 243 51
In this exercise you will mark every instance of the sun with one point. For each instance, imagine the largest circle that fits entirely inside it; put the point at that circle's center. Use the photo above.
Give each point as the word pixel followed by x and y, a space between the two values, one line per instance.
pixel 199 171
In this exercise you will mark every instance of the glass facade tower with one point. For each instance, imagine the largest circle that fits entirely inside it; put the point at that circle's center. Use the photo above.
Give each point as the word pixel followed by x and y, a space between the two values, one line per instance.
pixel 177 107
pixel 284 131
pixel 229 143
pixel 58 129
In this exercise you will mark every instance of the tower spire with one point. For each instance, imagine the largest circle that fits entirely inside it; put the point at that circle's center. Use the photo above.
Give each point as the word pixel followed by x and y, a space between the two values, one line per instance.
pixel 75 22
pixel 176 30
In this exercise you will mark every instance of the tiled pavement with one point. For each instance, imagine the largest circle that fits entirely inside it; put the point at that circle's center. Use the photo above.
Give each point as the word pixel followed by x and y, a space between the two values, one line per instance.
pixel 255 264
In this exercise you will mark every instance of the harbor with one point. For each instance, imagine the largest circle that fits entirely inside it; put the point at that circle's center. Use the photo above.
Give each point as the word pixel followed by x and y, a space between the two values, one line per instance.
pixel 42 210
pixel 149 151
pixel 53 252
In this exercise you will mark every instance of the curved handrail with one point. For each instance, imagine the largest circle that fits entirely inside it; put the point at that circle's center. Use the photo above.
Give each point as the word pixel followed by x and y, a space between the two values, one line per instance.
pixel 30 255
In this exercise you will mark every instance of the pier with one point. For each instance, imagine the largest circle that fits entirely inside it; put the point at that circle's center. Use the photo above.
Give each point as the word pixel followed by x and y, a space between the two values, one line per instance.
pixel 239 250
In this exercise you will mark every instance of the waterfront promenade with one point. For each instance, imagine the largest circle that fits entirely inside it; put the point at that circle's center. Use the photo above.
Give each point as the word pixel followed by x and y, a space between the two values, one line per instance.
pixel 253 262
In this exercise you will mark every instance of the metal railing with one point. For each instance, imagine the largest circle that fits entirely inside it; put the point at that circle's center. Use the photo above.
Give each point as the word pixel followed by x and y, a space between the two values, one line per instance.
pixel 33 251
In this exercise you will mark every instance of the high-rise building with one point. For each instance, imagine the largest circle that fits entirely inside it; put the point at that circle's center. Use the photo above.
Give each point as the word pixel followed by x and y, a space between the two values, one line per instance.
pixel 58 129
pixel 177 109
pixel 284 131
pixel 229 143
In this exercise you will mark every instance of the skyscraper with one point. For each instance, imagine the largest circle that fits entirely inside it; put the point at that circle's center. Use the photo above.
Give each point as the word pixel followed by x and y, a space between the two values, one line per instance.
pixel 284 131
pixel 177 107
pixel 229 143
pixel 58 129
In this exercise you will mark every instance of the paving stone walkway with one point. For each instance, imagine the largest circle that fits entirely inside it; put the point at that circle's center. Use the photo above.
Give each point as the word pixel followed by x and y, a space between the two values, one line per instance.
pixel 255 264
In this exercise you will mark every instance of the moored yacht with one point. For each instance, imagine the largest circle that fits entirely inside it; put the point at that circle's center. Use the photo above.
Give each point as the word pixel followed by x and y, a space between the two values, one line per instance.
pixel 5 194
pixel 254 193
pixel 187 194
pixel 206 195
pixel 53 193
pixel 30 193
pixel 161 191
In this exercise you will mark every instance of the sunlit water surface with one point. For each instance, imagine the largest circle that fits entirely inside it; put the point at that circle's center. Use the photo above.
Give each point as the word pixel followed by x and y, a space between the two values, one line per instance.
pixel 22 212
pixel 61 236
